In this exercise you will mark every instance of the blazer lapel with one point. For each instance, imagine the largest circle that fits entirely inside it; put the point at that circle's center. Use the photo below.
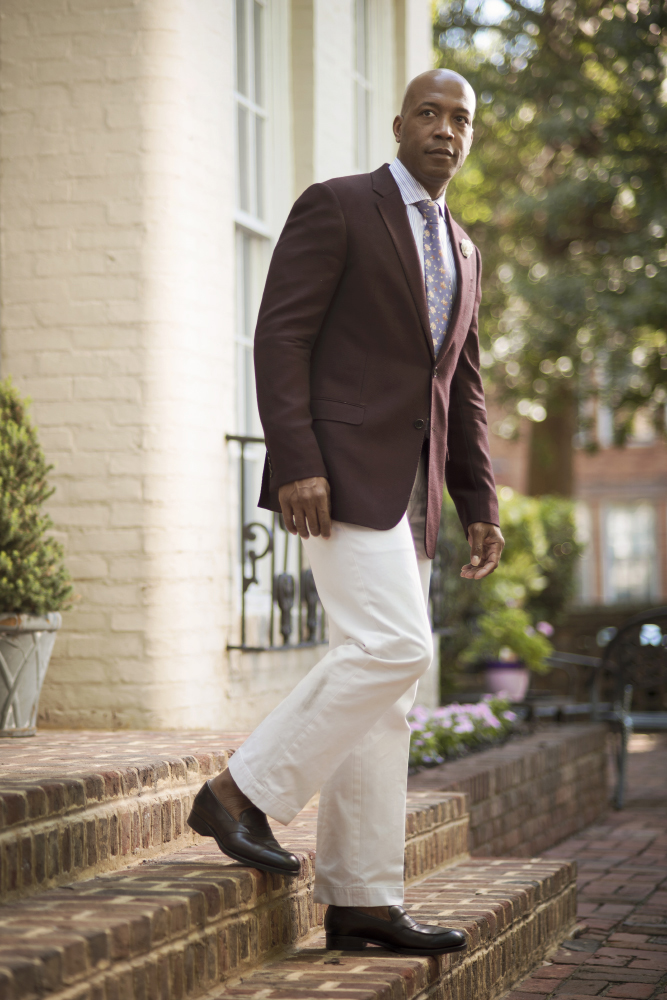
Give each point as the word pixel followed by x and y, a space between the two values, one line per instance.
pixel 466 272
pixel 395 216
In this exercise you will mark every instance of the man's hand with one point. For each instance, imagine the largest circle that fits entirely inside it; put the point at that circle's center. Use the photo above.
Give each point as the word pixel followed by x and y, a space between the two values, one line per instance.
pixel 306 504
pixel 486 545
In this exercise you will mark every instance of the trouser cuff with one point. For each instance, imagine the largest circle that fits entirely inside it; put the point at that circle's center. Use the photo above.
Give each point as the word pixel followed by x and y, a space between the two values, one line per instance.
pixel 258 794
pixel 358 895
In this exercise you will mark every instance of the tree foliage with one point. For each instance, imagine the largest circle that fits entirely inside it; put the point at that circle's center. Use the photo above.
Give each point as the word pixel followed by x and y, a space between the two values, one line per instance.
pixel 33 579
pixel 564 192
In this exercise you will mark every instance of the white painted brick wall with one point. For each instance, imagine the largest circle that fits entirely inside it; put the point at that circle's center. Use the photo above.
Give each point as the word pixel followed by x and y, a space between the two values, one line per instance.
pixel 334 94
pixel 117 318
pixel 116 189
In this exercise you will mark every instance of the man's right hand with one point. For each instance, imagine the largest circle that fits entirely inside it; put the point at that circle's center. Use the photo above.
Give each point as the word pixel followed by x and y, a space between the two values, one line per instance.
pixel 306 503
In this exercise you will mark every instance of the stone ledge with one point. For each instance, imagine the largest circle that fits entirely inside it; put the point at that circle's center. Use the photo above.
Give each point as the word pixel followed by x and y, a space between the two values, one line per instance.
pixel 176 928
pixel 531 793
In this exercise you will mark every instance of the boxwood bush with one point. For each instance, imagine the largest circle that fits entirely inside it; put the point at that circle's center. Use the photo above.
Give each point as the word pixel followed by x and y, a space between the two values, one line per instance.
pixel 33 578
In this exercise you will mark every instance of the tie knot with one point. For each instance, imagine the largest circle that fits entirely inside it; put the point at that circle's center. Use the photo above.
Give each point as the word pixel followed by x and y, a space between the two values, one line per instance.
pixel 429 210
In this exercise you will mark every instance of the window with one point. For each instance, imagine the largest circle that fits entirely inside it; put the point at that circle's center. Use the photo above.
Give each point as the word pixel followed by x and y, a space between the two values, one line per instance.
pixel 362 84
pixel 250 110
pixel 251 232
pixel 586 568
pixel 630 571
pixel 277 600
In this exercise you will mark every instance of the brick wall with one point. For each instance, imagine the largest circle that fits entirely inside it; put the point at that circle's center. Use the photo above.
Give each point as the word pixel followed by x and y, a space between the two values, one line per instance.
pixel 531 793
pixel 116 293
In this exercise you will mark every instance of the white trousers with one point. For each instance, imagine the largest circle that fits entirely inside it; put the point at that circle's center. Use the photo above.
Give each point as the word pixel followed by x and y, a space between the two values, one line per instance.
pixel 343 729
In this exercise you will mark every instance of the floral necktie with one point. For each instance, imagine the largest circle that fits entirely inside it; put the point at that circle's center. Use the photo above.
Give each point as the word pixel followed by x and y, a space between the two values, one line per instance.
pixel 438 279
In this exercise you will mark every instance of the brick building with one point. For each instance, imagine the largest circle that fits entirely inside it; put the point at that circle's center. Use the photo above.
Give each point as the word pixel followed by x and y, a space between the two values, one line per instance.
pixel 150 151
pixel 621 496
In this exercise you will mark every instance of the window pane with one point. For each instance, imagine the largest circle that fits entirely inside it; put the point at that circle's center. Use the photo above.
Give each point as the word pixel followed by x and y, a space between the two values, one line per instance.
pixel 243 158
pixel 584 522
pixel 259 166
pixel 630 553
pixel 241 48
pixel 258 12
pixel 361 38
pixel 250 268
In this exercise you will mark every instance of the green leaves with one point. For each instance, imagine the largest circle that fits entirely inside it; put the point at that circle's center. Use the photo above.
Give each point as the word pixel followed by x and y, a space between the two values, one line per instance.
pixel 508 628
pixel 33 579
pixel 532 585
pixel 564 194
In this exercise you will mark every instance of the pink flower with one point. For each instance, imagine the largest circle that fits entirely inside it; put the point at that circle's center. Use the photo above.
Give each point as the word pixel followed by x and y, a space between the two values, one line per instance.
pixel 545 628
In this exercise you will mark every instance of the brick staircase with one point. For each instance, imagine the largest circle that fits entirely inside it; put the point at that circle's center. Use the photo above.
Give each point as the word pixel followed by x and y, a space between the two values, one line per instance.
pixel 107 895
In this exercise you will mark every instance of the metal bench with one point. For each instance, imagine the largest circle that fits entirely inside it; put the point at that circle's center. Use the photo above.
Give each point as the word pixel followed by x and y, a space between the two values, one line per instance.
pixel 634 659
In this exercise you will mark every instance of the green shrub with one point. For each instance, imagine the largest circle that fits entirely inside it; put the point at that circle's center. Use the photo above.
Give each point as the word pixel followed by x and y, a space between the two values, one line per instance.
pixel 33 578
pixel 508 629
pixel 536 576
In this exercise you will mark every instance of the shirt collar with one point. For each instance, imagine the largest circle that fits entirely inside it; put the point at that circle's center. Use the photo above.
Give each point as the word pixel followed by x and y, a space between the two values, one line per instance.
pixel 411 190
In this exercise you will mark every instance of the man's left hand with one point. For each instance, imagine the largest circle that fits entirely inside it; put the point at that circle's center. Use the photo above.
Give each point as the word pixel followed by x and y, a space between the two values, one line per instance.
pixel 486 546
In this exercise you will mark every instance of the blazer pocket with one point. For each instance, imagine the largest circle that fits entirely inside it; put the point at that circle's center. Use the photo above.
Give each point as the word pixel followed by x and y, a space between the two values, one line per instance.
pixel 334 409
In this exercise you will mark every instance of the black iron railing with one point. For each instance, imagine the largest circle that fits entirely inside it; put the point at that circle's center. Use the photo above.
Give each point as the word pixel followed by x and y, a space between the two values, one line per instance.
pixel 296 617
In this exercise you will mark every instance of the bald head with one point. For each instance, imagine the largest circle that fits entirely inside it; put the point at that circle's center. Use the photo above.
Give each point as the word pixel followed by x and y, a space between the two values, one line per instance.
pixel 434 128
pixel 431 79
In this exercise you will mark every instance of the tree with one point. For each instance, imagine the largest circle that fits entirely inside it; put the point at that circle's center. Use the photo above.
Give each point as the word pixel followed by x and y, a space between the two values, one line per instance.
pixel 564 194
pixel 33 579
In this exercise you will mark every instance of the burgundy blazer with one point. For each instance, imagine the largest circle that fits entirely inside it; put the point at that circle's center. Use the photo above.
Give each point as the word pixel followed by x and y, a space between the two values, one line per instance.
pixel 347 379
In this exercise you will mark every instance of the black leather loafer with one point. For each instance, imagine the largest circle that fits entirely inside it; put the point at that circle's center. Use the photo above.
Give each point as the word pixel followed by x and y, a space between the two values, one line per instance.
pixel 247 839
pixel 348 929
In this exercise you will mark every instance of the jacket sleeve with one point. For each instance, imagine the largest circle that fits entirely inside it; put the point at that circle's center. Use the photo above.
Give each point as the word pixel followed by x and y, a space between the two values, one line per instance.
pixel 468 469
pixel 305 269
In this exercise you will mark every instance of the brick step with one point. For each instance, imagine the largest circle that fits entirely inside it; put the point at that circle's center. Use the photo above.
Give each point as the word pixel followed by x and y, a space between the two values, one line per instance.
pixel 180 926
pixel 73 805
pixel 514 913
pixel 60 821
pixel 187 920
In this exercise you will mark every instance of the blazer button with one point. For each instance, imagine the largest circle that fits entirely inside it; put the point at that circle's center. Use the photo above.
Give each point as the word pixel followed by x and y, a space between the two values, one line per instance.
pixel 419 425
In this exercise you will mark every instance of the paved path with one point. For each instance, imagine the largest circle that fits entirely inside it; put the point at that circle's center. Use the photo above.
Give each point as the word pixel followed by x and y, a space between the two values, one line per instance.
pixel 622 881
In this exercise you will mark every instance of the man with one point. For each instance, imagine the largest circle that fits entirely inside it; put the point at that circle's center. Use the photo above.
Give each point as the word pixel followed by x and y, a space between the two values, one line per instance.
pixel 367 365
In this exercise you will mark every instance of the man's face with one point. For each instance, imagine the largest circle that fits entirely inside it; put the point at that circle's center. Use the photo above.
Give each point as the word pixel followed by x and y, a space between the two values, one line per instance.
pixel 435 131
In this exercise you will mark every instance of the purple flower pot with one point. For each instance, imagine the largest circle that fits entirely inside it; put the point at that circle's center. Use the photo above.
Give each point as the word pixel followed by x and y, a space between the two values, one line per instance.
pixel 511 679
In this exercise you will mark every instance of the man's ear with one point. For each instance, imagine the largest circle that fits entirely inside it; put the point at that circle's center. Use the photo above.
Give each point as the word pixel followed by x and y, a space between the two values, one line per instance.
pixel 398 121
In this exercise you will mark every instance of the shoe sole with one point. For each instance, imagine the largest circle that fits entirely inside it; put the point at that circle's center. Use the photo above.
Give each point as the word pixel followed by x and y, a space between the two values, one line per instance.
pixel 201 827
pixel 337 942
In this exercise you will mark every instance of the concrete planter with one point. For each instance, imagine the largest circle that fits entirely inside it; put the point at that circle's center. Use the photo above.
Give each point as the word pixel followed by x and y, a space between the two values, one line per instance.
pixel 26 643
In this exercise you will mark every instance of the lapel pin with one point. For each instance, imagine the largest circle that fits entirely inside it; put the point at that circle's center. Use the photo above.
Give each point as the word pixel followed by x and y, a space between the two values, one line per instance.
pixel 466 248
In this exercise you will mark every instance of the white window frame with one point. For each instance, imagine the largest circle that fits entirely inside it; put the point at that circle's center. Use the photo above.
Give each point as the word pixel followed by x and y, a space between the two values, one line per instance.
pixel 251 199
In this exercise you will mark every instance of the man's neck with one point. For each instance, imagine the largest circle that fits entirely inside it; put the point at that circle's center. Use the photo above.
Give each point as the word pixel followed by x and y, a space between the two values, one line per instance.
pixel 436 189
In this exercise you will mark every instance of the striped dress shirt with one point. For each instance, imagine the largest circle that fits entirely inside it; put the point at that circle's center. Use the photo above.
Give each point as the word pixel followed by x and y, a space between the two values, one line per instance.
pixel 412 192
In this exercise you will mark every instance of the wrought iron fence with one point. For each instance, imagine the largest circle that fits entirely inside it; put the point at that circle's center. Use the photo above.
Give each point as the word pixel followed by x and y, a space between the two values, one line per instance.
pixel 295 615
